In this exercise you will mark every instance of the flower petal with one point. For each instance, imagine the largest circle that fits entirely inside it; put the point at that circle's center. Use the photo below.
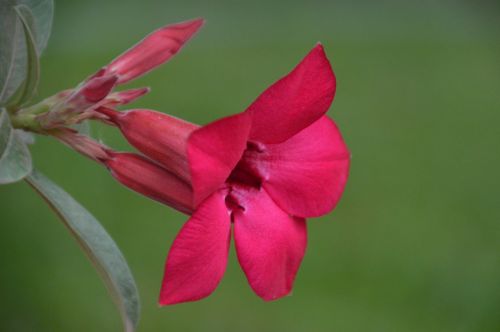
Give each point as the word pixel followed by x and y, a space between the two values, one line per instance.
pixel 270 244
pixel 197 260
pixel 213 152
pixel 295 101
pixel 97 88
pixel 306 174
pixel 152 51
pixel 124 97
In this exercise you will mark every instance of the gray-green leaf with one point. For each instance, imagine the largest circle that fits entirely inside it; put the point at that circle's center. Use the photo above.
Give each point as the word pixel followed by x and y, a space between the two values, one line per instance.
pixel 27 89
pixel 43 13
pixel 97 244
pixel 13 54
pixel 15 158
pixel 12 51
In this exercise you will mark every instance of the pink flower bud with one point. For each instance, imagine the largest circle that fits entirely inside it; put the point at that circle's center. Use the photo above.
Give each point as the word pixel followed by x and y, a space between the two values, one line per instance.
pixel 78 105
pixel 80 143
pixel 133 171
pixel 152 51
pixel 96 91
pixel 159 136
pixel 150 179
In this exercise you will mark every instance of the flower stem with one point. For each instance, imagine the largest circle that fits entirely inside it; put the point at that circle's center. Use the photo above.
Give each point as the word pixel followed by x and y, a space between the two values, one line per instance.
pixel 26 121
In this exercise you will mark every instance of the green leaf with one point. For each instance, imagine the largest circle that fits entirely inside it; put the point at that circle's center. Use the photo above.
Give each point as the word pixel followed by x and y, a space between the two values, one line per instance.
pixel 28 88
pixel 25 136
pixel 13 50
pixel 97 244
pixel 15 158
pixel 43 13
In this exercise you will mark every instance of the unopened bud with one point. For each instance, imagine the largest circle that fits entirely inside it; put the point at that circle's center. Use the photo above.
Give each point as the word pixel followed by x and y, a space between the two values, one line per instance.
pixel 150 179
pixel 159 136
pixel 81 143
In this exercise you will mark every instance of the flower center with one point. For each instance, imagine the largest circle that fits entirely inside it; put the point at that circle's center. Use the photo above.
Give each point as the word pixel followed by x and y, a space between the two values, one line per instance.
pixel 245 177
pixel 246 172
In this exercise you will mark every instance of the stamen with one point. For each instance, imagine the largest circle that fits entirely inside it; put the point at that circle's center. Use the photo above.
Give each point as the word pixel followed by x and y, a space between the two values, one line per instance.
pixel 232 203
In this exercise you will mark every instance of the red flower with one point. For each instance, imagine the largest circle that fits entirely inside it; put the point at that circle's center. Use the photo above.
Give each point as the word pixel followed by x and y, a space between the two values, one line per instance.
pixel 264 170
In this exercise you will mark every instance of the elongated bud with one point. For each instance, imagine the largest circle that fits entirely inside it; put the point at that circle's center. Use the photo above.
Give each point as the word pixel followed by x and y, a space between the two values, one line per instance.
pixel 159 136
pixel 81 143
pixel 152 51
pixel 151 180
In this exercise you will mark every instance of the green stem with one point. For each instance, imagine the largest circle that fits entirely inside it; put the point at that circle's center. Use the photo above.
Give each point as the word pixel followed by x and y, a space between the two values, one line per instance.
pixel 25 121
pixel 26 118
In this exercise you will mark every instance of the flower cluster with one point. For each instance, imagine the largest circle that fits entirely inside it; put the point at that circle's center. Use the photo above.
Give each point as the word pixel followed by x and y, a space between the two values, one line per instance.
pixel 73 106
pixel 257 175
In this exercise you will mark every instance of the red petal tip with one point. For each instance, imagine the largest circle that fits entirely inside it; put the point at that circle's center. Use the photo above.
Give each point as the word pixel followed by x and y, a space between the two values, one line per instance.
pixel 98 88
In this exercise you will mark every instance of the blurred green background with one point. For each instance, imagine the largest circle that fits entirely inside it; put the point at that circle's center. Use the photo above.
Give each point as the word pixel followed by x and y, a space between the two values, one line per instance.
pixel 414 244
